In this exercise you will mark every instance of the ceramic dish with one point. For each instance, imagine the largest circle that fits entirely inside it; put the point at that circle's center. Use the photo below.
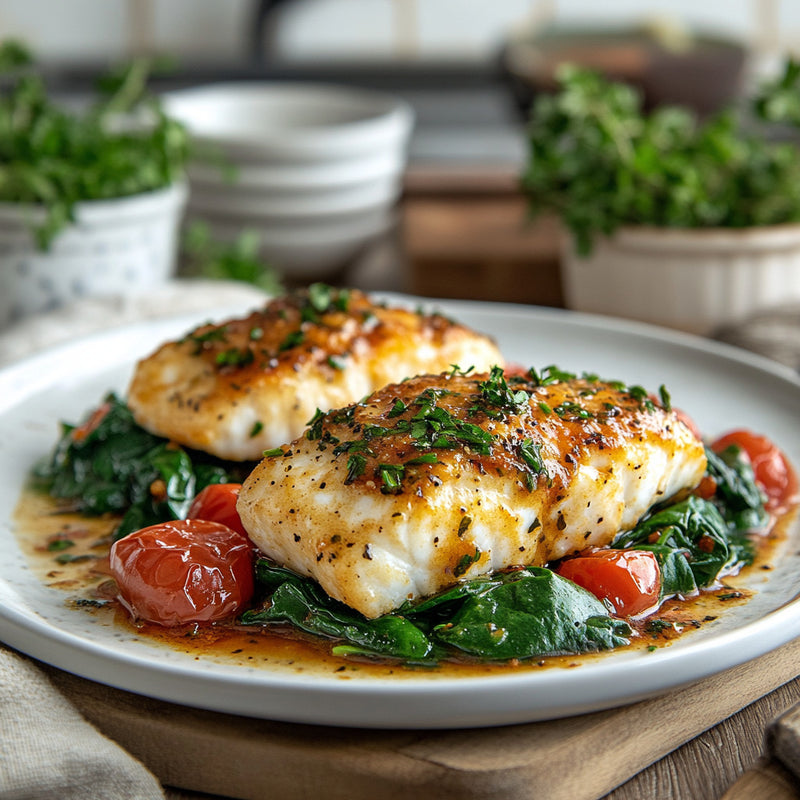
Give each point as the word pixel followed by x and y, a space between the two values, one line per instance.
pixel 721 387
pixel 280 123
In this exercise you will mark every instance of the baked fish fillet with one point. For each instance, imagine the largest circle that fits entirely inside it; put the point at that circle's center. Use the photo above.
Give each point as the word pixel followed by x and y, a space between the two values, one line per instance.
pixel 453 476
pixel 237 388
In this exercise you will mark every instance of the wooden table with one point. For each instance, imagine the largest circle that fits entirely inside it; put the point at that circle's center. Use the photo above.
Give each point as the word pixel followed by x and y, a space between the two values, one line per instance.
pixel 695 742
pixel 724 762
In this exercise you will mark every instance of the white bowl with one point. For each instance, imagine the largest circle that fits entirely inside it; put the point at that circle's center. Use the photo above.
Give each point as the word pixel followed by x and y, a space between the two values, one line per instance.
pixel 115 247
pixel 283 123
pixel 300 250
pixel 300 177
pixel 691 279
pixel 232 200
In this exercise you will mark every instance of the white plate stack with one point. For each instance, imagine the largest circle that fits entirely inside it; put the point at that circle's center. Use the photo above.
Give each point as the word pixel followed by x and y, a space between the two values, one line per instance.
pixel 316 170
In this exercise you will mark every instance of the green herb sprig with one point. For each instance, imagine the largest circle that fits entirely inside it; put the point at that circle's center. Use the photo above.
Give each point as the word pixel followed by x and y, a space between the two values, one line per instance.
pixel 122 145
pixel 598 161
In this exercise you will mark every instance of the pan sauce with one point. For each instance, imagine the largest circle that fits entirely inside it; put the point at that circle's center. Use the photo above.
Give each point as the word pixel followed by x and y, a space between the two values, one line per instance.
pixel 80 570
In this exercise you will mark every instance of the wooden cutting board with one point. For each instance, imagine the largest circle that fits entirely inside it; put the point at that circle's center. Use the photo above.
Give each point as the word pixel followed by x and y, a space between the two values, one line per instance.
pixel 579 758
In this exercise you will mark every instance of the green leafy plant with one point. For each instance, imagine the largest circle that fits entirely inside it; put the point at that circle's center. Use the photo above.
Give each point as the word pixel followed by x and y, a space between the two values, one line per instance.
pixel 122 144
pixel 598 161
pixel 239 260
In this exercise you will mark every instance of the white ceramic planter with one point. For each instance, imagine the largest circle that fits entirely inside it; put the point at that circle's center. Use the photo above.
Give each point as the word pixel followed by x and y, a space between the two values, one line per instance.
pixel 693 280
pixel 116 247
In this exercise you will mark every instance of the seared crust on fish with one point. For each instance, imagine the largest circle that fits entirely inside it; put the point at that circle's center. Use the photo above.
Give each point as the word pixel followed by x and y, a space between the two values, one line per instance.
pixel 237 388
pixel 452 476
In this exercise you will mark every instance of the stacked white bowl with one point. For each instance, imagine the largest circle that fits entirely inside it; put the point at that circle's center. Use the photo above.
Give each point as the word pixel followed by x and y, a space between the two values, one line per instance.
pixel 316 170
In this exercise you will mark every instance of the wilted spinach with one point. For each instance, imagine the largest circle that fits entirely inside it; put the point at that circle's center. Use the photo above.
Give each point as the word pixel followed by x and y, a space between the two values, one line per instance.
pixel 118 467
pixel 692 542
pixel 517 614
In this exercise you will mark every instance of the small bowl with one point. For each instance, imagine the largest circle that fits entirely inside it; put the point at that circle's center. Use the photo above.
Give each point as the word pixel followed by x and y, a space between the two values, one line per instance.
pixel 274 204
pixel 115 247
pixel 302 251
pixel 696 280
pixel 299 177
pixel 281 123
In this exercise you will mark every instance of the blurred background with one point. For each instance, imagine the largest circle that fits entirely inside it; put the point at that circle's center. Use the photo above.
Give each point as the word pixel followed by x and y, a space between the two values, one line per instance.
pixel 468 69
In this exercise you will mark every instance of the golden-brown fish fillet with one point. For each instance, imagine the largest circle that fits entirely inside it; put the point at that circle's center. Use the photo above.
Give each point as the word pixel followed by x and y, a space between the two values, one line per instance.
pixel 237 388
pixel 450 476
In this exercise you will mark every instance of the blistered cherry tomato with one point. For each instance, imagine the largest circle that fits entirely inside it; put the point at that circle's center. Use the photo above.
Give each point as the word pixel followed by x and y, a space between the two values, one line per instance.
pixel 630 580
pixel 772 469
pixel 184 571
pixel 217 502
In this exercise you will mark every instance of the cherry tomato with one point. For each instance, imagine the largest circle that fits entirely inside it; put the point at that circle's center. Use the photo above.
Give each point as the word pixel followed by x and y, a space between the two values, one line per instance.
pixel 772 470
pixel 217 502
pixel 183 571
pixel 629 579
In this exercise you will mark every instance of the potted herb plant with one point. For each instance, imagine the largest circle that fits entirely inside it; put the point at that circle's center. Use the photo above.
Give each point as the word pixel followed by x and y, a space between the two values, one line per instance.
pixel 91 200
pixel 671 219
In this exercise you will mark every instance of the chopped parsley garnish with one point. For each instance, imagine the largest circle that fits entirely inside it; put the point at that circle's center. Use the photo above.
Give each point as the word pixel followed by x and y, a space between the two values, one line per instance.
pixel 639 393
pixel 531 455
pixel 571 410
pixel 258 426
pixel 321 299
pixel 550 375
pixel 69 558
pixel 212 335
pixel 293 339
pixel 235 357
pixel 397 409
pixel 335 363
pixel 465 562
pixel 356 464
pixel 315 425
pixel 392 476
pixel 59 544
pixel 425 458
pixel 496 393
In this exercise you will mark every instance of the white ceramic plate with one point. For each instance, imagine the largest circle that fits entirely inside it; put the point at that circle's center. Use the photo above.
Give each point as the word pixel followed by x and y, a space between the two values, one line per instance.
pixel 721 387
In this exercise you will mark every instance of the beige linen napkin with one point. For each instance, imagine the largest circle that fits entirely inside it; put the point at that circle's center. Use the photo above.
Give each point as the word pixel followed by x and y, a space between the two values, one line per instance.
pixel 49 751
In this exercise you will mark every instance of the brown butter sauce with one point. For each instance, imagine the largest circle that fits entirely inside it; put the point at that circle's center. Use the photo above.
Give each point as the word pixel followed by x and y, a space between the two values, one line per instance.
pixel 85 580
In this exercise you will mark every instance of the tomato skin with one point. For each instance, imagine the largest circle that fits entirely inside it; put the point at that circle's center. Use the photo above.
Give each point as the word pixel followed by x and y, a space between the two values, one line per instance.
pixel 217 503
pixel 185 571
pixel 630 580
pixel 772 469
